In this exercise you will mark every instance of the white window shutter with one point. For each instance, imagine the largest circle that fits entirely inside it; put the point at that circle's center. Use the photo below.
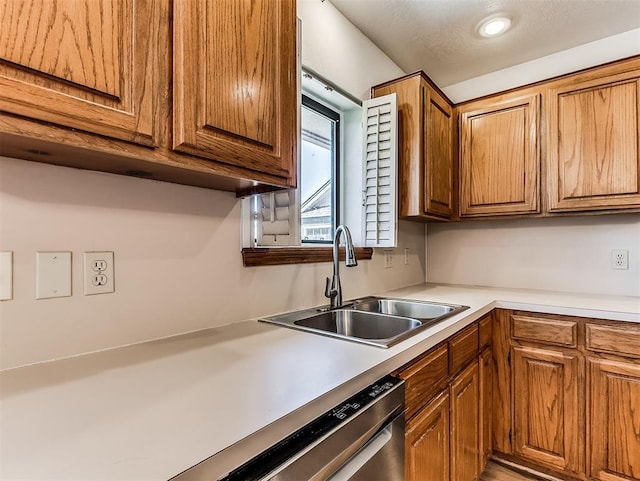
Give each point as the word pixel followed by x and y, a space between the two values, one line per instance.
pixel 275 215
pixel 380 146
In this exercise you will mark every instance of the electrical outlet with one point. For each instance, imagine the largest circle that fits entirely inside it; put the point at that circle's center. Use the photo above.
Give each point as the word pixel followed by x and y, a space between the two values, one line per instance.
pixel 406 256
pixel 98 273
pixel 388 259
pixel 620 259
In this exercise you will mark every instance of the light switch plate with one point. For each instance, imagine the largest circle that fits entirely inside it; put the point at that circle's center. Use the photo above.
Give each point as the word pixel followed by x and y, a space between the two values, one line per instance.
pixel 53 274
pixel 6 275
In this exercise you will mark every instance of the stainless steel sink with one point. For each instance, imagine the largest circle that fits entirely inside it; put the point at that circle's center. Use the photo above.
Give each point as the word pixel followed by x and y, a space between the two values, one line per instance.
pixel 358 324
pixel 377 321
pixel 400 307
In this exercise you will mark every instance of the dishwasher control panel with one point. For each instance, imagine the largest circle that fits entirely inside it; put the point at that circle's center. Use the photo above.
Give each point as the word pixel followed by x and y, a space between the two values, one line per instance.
pixel 323 425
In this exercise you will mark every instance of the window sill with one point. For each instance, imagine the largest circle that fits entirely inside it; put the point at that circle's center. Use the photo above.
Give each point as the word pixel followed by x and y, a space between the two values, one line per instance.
pixel 273 256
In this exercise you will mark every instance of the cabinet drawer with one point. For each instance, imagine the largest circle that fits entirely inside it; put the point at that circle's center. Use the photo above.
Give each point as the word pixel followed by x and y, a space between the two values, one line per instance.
pixel 424 378
pixel 463 348
pixel 548 331
pixel 614 340
pixel 485 331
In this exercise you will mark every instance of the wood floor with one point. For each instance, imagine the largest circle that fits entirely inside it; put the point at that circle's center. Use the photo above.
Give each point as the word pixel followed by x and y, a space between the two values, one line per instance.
pixel 499 472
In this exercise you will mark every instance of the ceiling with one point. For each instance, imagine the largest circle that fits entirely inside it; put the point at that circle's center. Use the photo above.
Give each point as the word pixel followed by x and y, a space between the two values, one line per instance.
pixel 439 36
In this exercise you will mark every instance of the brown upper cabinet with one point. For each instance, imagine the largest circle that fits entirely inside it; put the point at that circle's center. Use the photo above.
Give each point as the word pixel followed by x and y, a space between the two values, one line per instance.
pixel 593 127
pixel 425 144
pixel 87 65
pixel 92 84
pixel 565 145
pixel 234 67
pixel 500 156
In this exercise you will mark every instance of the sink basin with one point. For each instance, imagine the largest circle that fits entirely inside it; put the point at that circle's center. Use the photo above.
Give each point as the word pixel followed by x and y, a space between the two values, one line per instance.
pixel 400 307
pixel 376 321
pixel 363 325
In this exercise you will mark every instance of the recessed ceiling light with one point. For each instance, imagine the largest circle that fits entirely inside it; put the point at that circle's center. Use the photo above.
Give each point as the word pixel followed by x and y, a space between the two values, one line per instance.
pixel 494 26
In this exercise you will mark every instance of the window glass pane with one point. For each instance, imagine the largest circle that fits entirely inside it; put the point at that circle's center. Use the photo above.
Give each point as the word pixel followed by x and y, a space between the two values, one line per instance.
pixel 317 210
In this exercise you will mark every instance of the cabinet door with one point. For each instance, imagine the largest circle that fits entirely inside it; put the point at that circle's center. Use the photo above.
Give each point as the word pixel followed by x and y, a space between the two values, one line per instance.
pixel 85 64
pixel 485 405
pixel 548 407
pixel 235 80
pixel 593 149
pixel 499 157
pixel 614 420
pixel 427 442
pixel 465 427
pixel 438 153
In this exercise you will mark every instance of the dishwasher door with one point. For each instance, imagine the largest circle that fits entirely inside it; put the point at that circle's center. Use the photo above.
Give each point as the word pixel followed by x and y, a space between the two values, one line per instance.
pixel 382 458
pixel 361 439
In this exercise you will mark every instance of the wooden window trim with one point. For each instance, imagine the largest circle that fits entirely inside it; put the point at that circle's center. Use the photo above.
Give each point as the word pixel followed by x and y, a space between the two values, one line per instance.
pixel 273 256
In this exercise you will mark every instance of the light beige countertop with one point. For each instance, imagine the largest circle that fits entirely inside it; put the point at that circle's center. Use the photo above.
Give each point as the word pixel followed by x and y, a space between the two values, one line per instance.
pixel 152 410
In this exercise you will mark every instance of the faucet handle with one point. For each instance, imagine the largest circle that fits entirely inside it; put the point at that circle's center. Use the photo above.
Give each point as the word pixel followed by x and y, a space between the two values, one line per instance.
pixel 329 291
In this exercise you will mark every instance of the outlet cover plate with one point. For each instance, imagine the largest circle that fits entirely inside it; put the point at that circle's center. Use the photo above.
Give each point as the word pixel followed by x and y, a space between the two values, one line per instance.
pixel 620 259
pixel 388 258
pixel 53 274
pixel 98 273
pixel 6 275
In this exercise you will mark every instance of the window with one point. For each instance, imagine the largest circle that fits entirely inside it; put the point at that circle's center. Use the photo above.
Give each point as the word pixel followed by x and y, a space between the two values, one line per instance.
pixel 346 174
pixel 319 172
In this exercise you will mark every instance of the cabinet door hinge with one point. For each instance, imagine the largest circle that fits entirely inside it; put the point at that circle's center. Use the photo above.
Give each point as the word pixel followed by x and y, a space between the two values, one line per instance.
pixel 509 358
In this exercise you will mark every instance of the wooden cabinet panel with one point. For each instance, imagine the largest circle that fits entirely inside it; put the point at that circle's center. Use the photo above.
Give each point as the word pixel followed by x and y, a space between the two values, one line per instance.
pixel 592 142
pixel 486 406
pixel 425 148
pixel 465 427
pixel 427 442
pixel 499 157
pixel 438 153
pixel 86 64
pixel 502 414
pixel 410 164
pixel 613 339
pixel 235 75
pixel 548 331
pixel 548 407
pixel 485 326
pixel 614 412
pixel 424 378
pixel 463 347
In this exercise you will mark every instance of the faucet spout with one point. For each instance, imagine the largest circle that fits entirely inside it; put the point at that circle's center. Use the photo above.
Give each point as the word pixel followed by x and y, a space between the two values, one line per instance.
pixel 333 289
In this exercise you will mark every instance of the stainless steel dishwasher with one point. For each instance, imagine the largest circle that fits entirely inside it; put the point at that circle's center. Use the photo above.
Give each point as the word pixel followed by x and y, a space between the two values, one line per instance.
pixel 362 439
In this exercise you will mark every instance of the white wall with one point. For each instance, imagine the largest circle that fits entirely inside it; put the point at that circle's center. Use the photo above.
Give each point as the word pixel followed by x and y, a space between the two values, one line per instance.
pixel 584 56
pixel 333 47
pixel 177 262
pixel 559 254
pixel 177 249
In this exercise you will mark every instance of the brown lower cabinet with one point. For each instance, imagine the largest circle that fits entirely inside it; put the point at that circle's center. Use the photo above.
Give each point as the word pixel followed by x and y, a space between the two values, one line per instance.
pixel 485 375
pixel 443 409
pixel 427 441
pixel 465 425
pixel 571 389
pixel 558 394
pixel 547 407
pixel 614 447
